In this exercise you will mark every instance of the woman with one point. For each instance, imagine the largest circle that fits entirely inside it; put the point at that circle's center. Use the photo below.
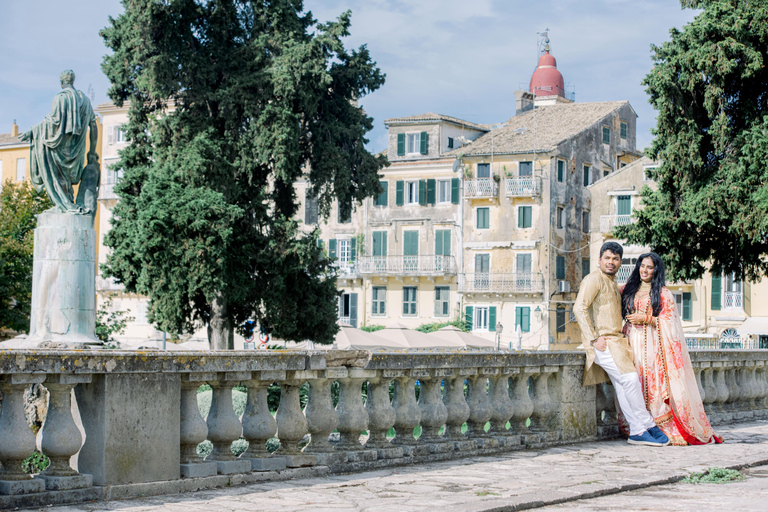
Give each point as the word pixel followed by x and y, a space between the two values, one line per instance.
pixel 661 357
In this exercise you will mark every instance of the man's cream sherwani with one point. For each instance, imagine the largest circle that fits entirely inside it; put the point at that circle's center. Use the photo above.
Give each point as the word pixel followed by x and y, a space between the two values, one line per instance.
pixel 598 313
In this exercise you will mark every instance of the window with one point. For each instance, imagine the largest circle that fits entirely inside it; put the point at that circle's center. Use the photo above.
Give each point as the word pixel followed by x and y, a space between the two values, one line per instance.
pixel 560 214
pixel 560 319
pixel 481 319
pixel 561 171
pixel 409 301
pixel 379 243
pixel 482 263
pixel 585 222
pixel 114 176
pixel 606 172
pixel 412 192
pixel 413 141
pixel 624 205
pixel 116 135
pixel 442 300
pixel 523 318
pixel 344 250
pixel 21 169
pixel 560 268
pixel 450 142
pixel 623 132
pixel 606 135
pixel 411 243
pixel 525 170
pixel 379 301
pixel 443 191
pixel 383 198
pixel 310 208
pixel 141 313
pixel 649 171
pixel 587 173
pixel 342 218
pixel 586 267
pixel 443 242
pixel 348 309
pixel 483 220
pixel 483 170
pixel 524 216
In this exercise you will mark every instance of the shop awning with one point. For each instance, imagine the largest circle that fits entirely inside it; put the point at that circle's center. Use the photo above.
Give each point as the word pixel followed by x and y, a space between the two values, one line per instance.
pixel 756 325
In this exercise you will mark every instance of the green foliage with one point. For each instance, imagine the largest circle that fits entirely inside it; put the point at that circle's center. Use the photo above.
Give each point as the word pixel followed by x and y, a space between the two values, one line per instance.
pixel 714 476
pixel 35 463
pixel 371 328
pixel 109 322
pixel 19 205
pixel 427 328
pixel 709 85
pixel 262 96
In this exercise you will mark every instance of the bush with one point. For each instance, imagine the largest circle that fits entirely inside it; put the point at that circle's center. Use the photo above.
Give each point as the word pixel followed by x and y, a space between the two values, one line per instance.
pixel 427 328
pixel 372 328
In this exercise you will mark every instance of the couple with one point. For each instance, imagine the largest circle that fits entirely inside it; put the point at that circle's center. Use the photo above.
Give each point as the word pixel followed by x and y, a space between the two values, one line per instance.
pixel 651 370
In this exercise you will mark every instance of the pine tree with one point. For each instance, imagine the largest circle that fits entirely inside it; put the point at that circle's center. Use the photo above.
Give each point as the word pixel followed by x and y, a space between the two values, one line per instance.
pixel 709 85
pixel 231 102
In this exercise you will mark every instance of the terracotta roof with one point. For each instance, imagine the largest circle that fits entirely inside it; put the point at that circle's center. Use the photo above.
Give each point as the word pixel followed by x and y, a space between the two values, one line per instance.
pixel 553 125
pixel 431 116
pixel 6 139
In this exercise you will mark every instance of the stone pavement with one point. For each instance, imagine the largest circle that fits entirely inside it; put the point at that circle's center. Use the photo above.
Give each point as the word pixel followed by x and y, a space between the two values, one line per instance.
pixel 567 477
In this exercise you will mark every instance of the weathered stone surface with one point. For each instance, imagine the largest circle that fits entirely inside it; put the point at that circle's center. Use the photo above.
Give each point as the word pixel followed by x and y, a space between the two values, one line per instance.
pixel 27 486
pixel 350 358
pixel 268 464
pixel 198 469
pixel 66 483
pixel 229 467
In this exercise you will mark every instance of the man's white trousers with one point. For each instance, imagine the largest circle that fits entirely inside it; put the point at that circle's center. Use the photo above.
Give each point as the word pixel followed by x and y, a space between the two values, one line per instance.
pixel 629 393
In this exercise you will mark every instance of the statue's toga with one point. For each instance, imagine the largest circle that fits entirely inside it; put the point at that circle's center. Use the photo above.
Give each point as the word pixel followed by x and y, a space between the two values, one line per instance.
pixel 57 147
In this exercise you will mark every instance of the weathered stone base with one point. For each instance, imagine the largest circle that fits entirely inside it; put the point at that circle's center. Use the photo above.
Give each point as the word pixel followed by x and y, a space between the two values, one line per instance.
pixel 330 458
pixel 389 453
pixel 440 447
pixel 608 431
pixel 26 486
pixel 67 483
pixel 465 445
pixel 510 442
pixel 199 469
pixel 230 467
pixel 361 455
pixel 487 442
pixel 299 460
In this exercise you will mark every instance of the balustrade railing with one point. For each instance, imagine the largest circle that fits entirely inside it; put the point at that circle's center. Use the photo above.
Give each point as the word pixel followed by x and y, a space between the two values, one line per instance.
pixel 521 187
pixel 523 282
pixel 420 265
pixel 608 222
pixel 107 191
pixel 732 300
pixel 135 418
pixel 480 187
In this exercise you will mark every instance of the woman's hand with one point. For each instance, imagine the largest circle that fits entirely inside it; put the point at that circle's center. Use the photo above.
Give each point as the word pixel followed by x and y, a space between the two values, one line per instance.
pixel 636 318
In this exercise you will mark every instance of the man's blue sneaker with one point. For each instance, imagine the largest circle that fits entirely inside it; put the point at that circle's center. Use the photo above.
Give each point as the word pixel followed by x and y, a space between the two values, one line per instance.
pixel 645 438
pixel 659 435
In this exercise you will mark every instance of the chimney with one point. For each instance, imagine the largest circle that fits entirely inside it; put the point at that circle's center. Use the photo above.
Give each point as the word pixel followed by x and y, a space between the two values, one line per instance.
pixel 524 101
pixel 15 129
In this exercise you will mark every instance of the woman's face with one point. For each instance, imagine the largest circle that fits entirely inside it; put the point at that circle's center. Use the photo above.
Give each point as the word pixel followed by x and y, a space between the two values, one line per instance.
pixel 646 270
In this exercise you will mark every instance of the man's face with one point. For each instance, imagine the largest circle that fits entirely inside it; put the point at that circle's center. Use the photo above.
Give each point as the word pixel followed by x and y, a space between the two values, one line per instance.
pixel 610 263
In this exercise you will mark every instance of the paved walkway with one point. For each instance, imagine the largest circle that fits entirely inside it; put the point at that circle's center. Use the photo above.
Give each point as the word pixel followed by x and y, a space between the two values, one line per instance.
pixel 589 476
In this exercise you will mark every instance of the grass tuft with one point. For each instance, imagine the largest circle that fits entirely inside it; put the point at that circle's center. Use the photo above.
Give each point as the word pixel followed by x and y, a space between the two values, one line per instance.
pixel 714 476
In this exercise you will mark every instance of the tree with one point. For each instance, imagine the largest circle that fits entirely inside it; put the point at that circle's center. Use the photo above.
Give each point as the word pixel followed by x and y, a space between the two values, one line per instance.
pixel 231 102
pixel 19 206
pixel 709 85
pixel 111 321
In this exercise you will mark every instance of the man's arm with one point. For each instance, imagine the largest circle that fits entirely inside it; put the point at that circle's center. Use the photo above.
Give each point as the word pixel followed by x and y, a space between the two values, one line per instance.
pixel 588 291
pixel 94 136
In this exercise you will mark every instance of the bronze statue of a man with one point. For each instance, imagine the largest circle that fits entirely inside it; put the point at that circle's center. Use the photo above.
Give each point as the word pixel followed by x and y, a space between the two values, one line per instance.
pixel 57 148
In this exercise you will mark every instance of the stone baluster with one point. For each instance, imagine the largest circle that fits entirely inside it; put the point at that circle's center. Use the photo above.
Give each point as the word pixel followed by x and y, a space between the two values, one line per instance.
pixel 458 410
pixel 607 419
pixel 710 391
pixel 258 423
pixel 544 407
pixel 723 393
pixel 224 426
pixel 480 408
pixel 734 393
pixel 59 437
pixel 322 418
pixel 697 374
pixel 521 398
pixel 407 412
pixel 381 415
pixel 749 386
pixel 17 442
pixel 433 411
pixel 503 408
pixel 353 417
pixel 762 395
pixel 192 427
pixel 291 422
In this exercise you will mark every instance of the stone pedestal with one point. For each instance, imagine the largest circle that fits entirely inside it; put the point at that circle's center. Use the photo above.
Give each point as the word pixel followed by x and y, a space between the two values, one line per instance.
pixel 64 280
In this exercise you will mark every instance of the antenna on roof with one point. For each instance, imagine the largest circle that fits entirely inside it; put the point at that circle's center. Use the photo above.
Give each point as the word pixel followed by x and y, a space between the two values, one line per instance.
pixel 542 42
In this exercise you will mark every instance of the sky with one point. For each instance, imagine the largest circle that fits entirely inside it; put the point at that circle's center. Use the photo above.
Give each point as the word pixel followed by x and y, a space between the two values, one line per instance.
pixel 463 58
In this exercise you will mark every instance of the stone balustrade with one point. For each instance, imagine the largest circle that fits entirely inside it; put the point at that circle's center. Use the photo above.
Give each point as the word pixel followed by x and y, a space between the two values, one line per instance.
pixel 121 423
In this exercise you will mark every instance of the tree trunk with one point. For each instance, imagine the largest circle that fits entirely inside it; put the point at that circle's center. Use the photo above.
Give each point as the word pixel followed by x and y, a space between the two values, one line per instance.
pixel 220 333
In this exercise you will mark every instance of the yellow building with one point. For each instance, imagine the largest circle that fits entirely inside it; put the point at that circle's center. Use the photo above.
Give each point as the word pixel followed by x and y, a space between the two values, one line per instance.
pixel 14 157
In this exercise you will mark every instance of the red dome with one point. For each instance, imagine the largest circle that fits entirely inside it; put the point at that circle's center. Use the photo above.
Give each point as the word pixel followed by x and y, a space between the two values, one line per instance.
pixel 547 80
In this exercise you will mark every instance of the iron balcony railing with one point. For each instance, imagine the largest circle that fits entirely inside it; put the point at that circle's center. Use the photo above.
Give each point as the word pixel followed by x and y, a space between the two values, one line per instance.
pixel 480 187
pixel 407 265
pixel 525 282
pixel 608 222
pixel 346 269
pixel 733 300
pixel 107 191
pixel 521 187
pixel 107 284
pixel 623 274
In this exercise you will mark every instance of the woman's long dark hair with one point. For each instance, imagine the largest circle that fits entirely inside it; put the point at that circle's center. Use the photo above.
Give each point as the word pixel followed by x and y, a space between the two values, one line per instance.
pixel 633 284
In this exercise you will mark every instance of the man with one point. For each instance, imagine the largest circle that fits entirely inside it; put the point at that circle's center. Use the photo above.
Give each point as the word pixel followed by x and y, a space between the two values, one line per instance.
pixel 57 149
pixel 598 313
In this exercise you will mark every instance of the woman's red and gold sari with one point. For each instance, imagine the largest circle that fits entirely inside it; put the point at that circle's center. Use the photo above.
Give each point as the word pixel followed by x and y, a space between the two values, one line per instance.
pixel 664 366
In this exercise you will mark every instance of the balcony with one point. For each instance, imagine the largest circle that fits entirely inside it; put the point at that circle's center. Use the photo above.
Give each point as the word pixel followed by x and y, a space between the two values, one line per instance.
pixel 522 187
pixel 346 269
pixel 427 265
pixel 107 284
pixel 608 222
pixel 107 191
pixel 623 274
pixel 732 300
pixel 501 283
pixel 480 187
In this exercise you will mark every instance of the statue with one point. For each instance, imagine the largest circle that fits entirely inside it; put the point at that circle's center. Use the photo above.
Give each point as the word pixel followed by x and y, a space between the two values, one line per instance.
pixel 57 151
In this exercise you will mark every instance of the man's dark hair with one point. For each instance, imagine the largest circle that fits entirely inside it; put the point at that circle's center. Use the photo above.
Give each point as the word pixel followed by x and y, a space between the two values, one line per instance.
pixel 614 247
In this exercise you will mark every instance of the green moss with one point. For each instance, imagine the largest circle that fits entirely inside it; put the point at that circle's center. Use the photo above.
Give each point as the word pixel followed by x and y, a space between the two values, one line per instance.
pixel 714 476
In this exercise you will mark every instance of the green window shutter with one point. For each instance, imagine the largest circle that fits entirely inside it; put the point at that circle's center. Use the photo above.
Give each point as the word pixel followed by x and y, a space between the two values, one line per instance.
pixel 410 243
pixel 439 242
pixel 560 171
pixel 422 192
pixel 399 192
pixel 624 205
pixel 586 268
pixel 446 242
pixel 383 198
pixel 687 306
pixel 525 319
pixel 492 318
pixel 469 321
pixel 560 319
pixel 376 243
pixel 383 243
pixel 424 143
pixel 353 309
pixel 606 135
pixel 560 268
pixel 483 215
pixel 455 190
pixel 525 216
pixel 352 249
pixel 332 248
pixel 716 293
pixel 431 186
pixel 623 134
pixel 400 144
pixel 587 171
